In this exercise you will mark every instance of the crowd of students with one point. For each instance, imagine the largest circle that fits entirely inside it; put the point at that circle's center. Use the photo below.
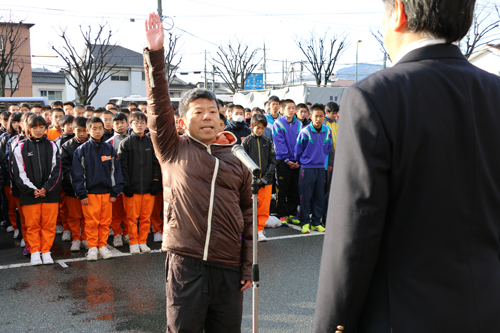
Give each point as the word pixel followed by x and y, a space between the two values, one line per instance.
pixel 80 172
pixel 85 173
pixel 294 145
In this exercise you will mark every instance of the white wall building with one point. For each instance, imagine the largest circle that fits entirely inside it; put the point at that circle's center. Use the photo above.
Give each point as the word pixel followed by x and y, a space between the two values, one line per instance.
pixel 50 85
pixel 487 58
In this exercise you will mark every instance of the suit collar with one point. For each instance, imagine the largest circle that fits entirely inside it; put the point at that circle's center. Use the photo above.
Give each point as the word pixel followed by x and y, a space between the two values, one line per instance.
pixel 438 51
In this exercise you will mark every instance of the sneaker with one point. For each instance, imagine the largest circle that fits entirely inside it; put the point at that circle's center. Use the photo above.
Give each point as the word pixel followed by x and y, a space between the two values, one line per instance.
pixel 292 219
pixel 126 239
pixel 92 254
pixel 47 259
pixel 117 241
pixel 158 237
pixel 305 229
pixel 59 229
pixel 16 233
pixel 10 229
pixel 105 253
pixel 284 221
pixel 261 237
pixel 27 251
pixel 318 228
pixel 144 248
pixel 75 245
pixel 85 245
pixel 111 232
pixel 23 243
pixel 134 249
pixel 66 236
pixel 35 259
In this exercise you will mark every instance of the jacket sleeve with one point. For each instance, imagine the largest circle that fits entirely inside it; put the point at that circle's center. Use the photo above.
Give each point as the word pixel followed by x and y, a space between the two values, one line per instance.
pixel 78 174
pixel 358 200
pixel 280 142
pixel 123 157
pixel 302 142
pixel 55 176
pixel 116 175
pixel 66 164
pixel 246 205
pixel 271 164
pixel 19 173
pixel 161 122
pixel 156 169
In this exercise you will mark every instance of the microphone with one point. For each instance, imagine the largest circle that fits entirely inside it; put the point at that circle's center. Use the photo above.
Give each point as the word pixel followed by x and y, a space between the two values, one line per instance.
pixel 240 153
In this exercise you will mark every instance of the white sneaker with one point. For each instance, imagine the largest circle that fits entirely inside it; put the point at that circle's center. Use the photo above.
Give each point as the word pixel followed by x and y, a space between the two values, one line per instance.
pixel 126 239
pixel 23 243
pixel 59 229
pixel 47 259
pixel 66 236
pixel 158 237
pixel 117 241
pixel 105 253
pixel 10 229
pixel 144 248
pixel 134 249
pixel 92 253
pixel 75 245
pixel 16 233
pixel 111 232
pixel 261 237
pixel 35 259
pixel 85 245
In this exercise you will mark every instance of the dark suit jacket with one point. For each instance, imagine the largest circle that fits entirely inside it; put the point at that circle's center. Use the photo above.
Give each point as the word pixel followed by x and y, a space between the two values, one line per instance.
pixel 413 228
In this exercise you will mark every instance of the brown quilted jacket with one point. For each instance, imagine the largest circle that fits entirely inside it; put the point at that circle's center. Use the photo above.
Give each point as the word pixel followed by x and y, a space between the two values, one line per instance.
pixel 207 191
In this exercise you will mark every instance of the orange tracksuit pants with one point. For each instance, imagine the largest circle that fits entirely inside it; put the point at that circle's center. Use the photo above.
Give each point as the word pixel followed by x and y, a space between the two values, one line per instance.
pixel 12 206
pixel 62 216
pixel 119 216
pixel 264 196
pixel 41 220
pixel 139 207
pixel 76 220
pixel 157 214
pixel 97 219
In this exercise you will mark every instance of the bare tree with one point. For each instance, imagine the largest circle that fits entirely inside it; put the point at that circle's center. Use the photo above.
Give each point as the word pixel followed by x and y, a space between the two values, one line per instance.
pixel 86 71
pixel 172 62
pixel 322 54
pixel 380 39
pixel 12 40
pixel 483 31
pixel 236 64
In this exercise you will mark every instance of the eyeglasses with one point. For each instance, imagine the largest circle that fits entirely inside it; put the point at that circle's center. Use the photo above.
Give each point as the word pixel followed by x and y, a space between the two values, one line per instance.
pixel 139 123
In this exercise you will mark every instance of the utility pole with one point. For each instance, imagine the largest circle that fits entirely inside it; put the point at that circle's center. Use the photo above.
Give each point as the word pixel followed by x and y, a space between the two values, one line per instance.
pixel 265 67
pixel 205 70
pixel 160 11
pixel 385 60
pixel 301 70
pixel 282 72
pixel 213 78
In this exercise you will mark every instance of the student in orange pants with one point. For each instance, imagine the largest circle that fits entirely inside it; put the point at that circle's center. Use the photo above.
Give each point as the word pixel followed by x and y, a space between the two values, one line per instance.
pixel 38 177
pixel 97 215
pixel 76 223
pixel 264 196
pixel 136 154
pixel 118 217
pixel 157 217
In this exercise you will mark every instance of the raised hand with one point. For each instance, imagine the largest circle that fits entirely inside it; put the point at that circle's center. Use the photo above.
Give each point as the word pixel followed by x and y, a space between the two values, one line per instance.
pixel 154 32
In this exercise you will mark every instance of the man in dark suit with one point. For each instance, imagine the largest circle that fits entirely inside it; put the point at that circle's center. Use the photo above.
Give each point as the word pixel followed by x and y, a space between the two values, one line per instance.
pixel 413 236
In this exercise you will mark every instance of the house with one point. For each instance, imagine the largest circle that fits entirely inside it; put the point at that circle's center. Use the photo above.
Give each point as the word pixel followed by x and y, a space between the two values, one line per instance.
pixel 48 84
pixel 177 87
pixel 21 65
pixel 487 58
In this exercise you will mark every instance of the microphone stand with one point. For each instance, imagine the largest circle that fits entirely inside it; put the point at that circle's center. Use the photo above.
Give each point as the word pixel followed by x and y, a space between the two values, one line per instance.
pixel 255 266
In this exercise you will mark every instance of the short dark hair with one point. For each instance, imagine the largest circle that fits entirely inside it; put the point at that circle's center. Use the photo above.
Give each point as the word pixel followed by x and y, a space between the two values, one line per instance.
pixel 46 108
pixel 302 106
pixel 16 116
pixel 93 120
pixel 273 99
pixel 110 103
pixel 119 116
pixel 318 107
pixel 38 106
pixel 259 119
pixel 89 108
pixel 258 110
pixel 331 107
pixel 192 95
pixel 57 104
pixel 107 112
pixel 80 107
pixel 220 102
pixel 69 103
pixel 138 116
pixel 66 119
pixel 36 120
pixel 448 19
pixel 56 110
pixel 24 105
pixel 238 107
pixel 230 105
pixel 223 118
pixel 80 122
pixel 285 102
pixel 132 103
pixel 127 111
pixel 143 103
pixel 6 115
pixel 134 110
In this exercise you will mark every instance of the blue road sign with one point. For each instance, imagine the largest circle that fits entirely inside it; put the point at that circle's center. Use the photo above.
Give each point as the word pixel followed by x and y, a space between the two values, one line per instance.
pixel 255 81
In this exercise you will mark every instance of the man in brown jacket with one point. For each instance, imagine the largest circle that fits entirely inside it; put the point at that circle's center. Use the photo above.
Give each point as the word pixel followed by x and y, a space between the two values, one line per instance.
pixel 208 206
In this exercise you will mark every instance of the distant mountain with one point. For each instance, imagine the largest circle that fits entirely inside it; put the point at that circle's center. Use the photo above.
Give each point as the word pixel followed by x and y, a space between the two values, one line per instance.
pixel 364 70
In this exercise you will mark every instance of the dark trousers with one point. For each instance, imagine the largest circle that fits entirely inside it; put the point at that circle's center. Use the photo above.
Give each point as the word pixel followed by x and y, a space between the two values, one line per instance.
pixel 287 189
pixel 312 194
pixel 5 206
pixel 202 297
pixel 328 185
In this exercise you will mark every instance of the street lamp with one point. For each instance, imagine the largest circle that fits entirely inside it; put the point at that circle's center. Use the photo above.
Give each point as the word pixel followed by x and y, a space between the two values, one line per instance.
pixel 359 42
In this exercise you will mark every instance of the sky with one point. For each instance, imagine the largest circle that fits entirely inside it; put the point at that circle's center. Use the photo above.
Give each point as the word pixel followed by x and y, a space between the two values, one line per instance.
pixel 205 24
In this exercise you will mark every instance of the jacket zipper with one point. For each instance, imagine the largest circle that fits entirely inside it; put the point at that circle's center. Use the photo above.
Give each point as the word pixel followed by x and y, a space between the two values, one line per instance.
pixel 150 68
pixel 260 162
pixel 140 153
pixel 39 164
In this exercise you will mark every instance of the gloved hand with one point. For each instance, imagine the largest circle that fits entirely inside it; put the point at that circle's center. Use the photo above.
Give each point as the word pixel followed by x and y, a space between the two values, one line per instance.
pixel 263 182
pixel 155 188
pixel 127 190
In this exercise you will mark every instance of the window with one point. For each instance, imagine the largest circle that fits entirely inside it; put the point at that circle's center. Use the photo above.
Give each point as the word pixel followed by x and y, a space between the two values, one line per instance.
pixel 120 76
pixel 1 42
pixel 51 95
pixel 14 80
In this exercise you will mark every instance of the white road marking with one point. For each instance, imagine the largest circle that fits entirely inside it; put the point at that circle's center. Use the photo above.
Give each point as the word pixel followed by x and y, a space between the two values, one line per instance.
pixel 63 265
pixel 313 233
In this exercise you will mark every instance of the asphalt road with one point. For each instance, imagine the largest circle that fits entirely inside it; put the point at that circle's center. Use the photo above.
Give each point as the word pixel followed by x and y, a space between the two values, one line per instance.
pixel 127 293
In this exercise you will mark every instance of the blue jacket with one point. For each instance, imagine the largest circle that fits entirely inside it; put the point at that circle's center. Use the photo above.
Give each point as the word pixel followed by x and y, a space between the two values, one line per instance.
pixel 285 138
pixel 271 120
pixel 96 170
pixel 313 147
pixel 239 129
